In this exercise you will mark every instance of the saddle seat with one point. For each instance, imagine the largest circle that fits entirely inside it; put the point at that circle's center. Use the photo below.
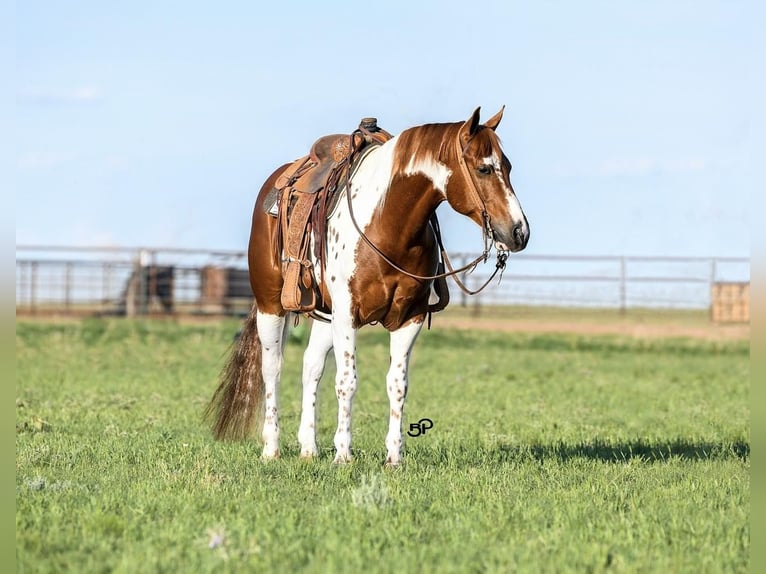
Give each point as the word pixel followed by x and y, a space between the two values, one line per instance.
pixel 310 173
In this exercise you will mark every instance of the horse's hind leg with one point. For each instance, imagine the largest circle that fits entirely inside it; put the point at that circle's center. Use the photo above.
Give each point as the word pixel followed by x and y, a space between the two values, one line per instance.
pixel 320 343
pixel 396 386
pixel 272 334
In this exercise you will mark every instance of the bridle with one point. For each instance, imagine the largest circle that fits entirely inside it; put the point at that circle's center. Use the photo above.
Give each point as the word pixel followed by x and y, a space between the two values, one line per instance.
pixel 487 233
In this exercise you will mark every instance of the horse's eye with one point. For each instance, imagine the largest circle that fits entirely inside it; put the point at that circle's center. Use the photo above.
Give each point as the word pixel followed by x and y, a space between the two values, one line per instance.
pixel 484 169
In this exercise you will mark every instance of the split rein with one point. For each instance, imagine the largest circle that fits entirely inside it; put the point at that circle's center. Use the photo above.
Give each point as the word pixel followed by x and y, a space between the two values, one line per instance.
pixel 502 256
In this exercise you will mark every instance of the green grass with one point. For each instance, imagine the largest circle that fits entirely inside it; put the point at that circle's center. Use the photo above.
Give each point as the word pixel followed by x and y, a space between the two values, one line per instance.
pixel 699 318
pixel 549 453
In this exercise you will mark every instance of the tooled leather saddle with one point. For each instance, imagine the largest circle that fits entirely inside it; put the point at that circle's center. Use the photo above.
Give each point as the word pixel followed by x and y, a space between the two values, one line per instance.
pixel 303 197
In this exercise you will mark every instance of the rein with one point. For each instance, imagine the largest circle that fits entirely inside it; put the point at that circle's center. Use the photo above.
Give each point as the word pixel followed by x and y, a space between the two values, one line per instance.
pixel 502 256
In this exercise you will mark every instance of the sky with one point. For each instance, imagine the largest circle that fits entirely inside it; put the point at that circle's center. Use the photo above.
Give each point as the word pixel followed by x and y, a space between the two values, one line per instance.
pixel 631 126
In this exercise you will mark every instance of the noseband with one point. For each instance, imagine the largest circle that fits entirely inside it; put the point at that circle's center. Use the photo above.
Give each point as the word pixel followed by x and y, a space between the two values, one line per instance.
pixel 487 234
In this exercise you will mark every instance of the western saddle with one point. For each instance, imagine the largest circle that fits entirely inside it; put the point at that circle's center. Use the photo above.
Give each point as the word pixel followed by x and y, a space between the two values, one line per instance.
pixel 303 197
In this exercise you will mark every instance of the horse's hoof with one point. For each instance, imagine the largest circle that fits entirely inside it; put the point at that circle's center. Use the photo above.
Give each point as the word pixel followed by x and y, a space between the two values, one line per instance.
pixel 270 455
pixel 392 464
pixel 341 460
pixel 309 455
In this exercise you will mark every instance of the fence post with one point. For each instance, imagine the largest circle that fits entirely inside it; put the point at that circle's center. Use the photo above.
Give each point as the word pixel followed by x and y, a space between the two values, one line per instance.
pixel 68 285
pixel 33 288
pixel 713 272
pixel 463 277
pixel 143 287
pixel 106 285
pixel 623 286
pixel 21 282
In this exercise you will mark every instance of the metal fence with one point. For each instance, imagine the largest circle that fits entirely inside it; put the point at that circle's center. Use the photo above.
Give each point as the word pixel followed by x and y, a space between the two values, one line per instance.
pixel 167 280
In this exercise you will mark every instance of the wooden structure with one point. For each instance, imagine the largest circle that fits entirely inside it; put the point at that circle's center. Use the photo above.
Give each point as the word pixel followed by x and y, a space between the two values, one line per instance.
pixel 149 289
pixel 221 287
pixel 730 302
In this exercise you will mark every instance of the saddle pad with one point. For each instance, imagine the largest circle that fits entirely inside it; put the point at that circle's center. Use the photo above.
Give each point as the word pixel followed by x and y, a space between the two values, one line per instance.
pixel 270 204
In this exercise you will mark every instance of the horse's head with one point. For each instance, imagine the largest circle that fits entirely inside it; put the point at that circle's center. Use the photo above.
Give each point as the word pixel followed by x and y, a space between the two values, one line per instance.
pixel 483 190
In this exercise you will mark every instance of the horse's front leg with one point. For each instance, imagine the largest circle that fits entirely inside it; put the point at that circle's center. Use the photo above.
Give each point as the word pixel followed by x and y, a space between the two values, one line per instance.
pixel 396 386
pixel 344 343
pixel 272 332
pixel 320 343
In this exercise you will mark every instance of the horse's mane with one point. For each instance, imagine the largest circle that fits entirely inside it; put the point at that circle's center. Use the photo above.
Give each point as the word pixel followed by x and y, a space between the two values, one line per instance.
pixel 429 142
pixel 436 143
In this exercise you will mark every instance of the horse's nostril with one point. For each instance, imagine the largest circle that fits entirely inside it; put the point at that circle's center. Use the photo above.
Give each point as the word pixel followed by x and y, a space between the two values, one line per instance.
pixel 518 233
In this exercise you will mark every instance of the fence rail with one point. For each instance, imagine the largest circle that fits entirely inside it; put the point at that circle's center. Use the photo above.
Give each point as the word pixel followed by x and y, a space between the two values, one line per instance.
pixel 140 280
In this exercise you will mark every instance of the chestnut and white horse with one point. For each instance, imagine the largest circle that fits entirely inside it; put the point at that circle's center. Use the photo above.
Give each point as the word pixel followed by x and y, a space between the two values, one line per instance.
pixel 393 194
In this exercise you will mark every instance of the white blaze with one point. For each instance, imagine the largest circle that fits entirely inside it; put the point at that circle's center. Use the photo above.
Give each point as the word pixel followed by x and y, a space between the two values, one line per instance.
pixel 514 207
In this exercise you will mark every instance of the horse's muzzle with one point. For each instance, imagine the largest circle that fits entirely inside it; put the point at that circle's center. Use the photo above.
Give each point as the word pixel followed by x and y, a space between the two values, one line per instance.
pixel 512 240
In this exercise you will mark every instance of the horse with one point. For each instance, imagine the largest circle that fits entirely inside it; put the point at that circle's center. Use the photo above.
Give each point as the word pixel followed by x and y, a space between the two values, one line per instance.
pixel 381 258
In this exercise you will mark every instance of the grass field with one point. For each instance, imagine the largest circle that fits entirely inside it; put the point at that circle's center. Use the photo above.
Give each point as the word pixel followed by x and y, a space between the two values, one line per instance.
pixel 549 453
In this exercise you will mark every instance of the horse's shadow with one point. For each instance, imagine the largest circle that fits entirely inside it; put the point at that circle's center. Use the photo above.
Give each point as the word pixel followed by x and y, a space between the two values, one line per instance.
pixel 650 451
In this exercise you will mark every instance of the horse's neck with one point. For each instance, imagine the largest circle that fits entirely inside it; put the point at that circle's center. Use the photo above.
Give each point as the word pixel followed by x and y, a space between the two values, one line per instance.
pixel 420 173
pixel 399 185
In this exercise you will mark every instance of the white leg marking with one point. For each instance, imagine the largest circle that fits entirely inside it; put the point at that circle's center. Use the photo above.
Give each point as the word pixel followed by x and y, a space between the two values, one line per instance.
pixel 396 386
pixel 320 343
pixel 344 343
pixel 271 329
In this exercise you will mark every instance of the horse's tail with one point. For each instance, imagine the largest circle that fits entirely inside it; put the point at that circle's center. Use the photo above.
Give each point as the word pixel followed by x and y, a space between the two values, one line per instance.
pixel 238 400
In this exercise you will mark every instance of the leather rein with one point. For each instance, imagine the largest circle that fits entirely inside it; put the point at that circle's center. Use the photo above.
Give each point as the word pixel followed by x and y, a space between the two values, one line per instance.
pixel 502 256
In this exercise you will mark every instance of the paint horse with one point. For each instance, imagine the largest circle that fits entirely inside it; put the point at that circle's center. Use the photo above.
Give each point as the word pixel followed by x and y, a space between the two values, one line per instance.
pixel 381 258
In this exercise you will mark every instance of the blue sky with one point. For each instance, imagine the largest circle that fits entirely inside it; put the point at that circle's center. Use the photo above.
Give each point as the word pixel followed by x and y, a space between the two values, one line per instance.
pixel 631 125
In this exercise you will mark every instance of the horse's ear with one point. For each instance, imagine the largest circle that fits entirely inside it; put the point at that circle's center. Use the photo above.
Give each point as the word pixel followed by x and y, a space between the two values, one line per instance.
pixel 493 122
pixel 471 124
